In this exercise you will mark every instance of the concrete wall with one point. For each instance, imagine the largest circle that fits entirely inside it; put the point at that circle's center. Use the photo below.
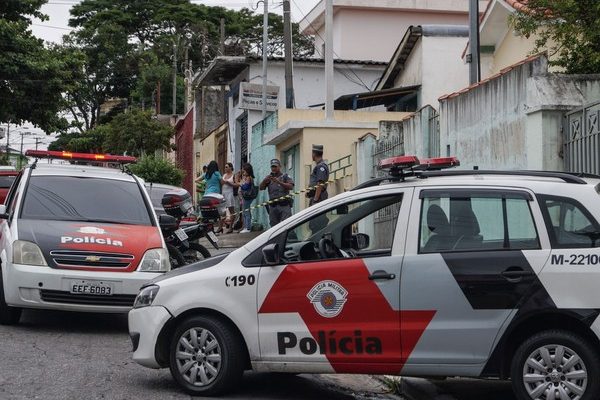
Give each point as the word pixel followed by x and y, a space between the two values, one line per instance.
pixel 356 29
pixel 514 121
pixel 412 74
pixel 442 68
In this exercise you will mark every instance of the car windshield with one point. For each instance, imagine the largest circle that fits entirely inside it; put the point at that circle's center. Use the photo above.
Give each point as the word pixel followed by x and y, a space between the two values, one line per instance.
pixel 69 198
pixel 156 195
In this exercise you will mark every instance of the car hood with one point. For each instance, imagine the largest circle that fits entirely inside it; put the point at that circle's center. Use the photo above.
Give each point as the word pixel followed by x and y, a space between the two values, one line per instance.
pixel 197 266
pixel 90 246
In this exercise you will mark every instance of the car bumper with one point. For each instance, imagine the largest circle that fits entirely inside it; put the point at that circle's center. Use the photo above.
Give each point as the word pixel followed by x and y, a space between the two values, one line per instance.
pixel 29 286
pixel 145 324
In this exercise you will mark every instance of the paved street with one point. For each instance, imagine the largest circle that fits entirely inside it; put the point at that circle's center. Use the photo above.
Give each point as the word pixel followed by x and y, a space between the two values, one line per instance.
pixel 456 389
pixel 60 355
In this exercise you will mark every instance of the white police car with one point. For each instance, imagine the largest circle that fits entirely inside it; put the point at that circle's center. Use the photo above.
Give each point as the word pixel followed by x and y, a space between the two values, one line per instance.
pixel 437 273
pixel 76 237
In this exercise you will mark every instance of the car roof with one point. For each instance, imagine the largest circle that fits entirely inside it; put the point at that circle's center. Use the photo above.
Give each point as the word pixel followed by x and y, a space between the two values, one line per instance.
pixel 537 182
pixel 42 169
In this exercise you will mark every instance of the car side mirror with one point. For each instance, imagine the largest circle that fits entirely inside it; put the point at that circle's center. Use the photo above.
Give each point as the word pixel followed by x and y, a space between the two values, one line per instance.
pixel 361 241
pixel 271 254
pixel 167 222
pixel 3 214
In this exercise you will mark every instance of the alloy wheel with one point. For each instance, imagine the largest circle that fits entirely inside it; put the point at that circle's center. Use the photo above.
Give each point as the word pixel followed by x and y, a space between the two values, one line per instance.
pixel 198 356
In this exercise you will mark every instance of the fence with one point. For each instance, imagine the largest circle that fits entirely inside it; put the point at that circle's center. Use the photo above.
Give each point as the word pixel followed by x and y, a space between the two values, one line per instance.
pixel 581 139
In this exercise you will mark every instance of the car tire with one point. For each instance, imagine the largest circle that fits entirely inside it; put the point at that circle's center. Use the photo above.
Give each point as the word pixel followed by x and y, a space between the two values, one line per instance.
pixel 8 315
pixel 536 373
pixel 206 356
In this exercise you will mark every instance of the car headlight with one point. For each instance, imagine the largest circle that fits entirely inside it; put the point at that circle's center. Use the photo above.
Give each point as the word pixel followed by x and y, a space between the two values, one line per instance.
pixel 28 253
pixel 146 296
pixel 155 260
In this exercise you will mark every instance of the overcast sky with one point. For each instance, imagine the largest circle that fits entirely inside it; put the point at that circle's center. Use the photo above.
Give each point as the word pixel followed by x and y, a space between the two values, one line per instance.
pixel 58 12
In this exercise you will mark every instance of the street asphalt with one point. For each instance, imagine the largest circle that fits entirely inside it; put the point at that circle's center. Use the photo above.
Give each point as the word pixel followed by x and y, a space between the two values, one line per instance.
pixel 60 355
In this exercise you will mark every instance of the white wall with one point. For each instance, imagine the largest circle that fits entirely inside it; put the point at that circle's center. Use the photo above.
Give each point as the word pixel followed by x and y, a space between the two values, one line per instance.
pixel 367 34
pixel 443 69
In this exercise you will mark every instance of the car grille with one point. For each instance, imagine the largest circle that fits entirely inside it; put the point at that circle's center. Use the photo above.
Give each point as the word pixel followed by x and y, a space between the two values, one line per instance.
pixel 57 296
pixel 87 259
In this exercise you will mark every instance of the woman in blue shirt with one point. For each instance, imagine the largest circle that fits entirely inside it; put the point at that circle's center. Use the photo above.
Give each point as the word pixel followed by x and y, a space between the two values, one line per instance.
pixel 212 177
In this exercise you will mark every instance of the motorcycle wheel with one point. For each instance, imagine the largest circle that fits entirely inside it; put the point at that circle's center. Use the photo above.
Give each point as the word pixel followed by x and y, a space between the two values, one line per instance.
pixel 196 252
pixel 175 257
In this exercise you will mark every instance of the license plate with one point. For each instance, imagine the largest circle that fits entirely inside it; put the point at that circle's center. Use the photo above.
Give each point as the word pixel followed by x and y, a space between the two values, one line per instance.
pixel 181 234
pixel 91 287
pixel 212 236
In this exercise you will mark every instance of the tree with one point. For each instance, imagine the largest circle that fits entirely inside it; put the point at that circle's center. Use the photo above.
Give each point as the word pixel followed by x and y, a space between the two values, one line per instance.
pixel 137 133
pixel 31 76
pixel 569 29
pixel 157 170
pixel 134 133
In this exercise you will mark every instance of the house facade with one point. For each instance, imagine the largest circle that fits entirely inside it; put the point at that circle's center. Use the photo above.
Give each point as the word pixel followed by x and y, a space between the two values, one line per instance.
pixel 357 23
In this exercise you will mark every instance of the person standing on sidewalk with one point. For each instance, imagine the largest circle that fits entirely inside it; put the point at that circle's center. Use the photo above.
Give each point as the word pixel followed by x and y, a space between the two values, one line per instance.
pixel 278 185
pixel 249 192
pixel 318 187
pixel 319 176
pixel 228 188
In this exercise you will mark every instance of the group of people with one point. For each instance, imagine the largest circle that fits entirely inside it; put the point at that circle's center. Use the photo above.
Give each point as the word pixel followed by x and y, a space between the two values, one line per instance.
pixel 240 190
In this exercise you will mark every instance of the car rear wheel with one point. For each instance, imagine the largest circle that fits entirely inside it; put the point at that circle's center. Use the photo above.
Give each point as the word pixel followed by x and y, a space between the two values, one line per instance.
pixel 8 315
pixel 206 356
pixel 556 365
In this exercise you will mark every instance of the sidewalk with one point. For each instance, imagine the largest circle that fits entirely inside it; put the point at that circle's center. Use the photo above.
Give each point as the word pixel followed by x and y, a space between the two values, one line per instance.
pixel 231 241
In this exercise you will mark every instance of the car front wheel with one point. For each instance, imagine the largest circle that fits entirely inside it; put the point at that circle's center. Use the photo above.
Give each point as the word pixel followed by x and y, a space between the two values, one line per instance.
pixel 556 364
pixel 8 315
pixel 206 356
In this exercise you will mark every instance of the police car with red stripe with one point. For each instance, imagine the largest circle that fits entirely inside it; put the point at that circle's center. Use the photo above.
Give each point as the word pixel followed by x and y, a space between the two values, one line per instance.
pixel 77 237
pixel 424 272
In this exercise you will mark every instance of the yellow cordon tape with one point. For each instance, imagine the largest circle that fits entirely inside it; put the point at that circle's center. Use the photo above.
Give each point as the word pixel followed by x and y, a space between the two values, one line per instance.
pixel 287 196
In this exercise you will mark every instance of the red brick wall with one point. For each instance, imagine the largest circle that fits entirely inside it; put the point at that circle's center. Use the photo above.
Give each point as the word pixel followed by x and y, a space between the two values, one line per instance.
pixel 184 153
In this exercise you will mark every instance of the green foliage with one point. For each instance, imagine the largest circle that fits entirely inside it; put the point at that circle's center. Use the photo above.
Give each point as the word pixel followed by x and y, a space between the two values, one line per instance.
pixel 157 170
pixel 570 29
pixel 134 133
pixel 31 76
pixel 137 133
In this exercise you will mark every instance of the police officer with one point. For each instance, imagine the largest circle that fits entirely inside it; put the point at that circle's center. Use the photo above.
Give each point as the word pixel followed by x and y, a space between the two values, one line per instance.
pixel 319 176
pixel 278 185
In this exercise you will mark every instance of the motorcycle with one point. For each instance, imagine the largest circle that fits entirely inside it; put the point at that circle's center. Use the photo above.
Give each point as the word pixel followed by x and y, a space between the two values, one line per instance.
pixel 182 240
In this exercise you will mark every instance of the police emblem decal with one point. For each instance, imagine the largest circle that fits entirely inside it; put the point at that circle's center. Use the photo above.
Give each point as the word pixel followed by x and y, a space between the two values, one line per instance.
pixel 328 298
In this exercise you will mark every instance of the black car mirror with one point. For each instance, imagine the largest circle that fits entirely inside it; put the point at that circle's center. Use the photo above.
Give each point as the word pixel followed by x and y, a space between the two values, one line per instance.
pixel 361 241
pixel 167 222
pixel 271 254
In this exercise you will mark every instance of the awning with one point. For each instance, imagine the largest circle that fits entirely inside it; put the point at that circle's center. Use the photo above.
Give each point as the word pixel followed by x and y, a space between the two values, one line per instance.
pixel 221 71
pixel 375 98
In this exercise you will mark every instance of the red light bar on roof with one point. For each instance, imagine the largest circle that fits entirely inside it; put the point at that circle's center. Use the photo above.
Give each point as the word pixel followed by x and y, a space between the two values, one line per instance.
pixel 399 162
pixel 439 163
pixel 67 155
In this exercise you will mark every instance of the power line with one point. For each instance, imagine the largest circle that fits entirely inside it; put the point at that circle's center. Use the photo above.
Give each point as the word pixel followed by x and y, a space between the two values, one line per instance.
pixel 53 27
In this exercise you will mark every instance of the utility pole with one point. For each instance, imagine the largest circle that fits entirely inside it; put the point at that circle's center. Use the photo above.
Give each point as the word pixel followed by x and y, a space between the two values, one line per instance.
pixel 174 77
pixel 8 143
pixel 21 152
pixel 289 55
pixel 188 83
pixel 222 37
pixel 329 59
pixel 37 141
pixel 158 98
pixel 264 49
pixel 473 58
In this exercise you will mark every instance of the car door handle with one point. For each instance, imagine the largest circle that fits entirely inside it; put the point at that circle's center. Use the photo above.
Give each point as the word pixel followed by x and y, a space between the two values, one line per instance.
pixel 377 275
pixel 515 274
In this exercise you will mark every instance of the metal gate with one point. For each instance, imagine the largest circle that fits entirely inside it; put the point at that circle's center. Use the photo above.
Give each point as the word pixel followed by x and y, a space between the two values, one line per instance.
pixel 581 139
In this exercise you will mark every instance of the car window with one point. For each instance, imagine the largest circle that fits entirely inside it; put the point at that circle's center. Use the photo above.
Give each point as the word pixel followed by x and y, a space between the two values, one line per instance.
pixel 477 222
pixel 11 198
pixel 6 181
pixel 569 223
pixel 85 199
pixel 358 229
pixel 156 195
